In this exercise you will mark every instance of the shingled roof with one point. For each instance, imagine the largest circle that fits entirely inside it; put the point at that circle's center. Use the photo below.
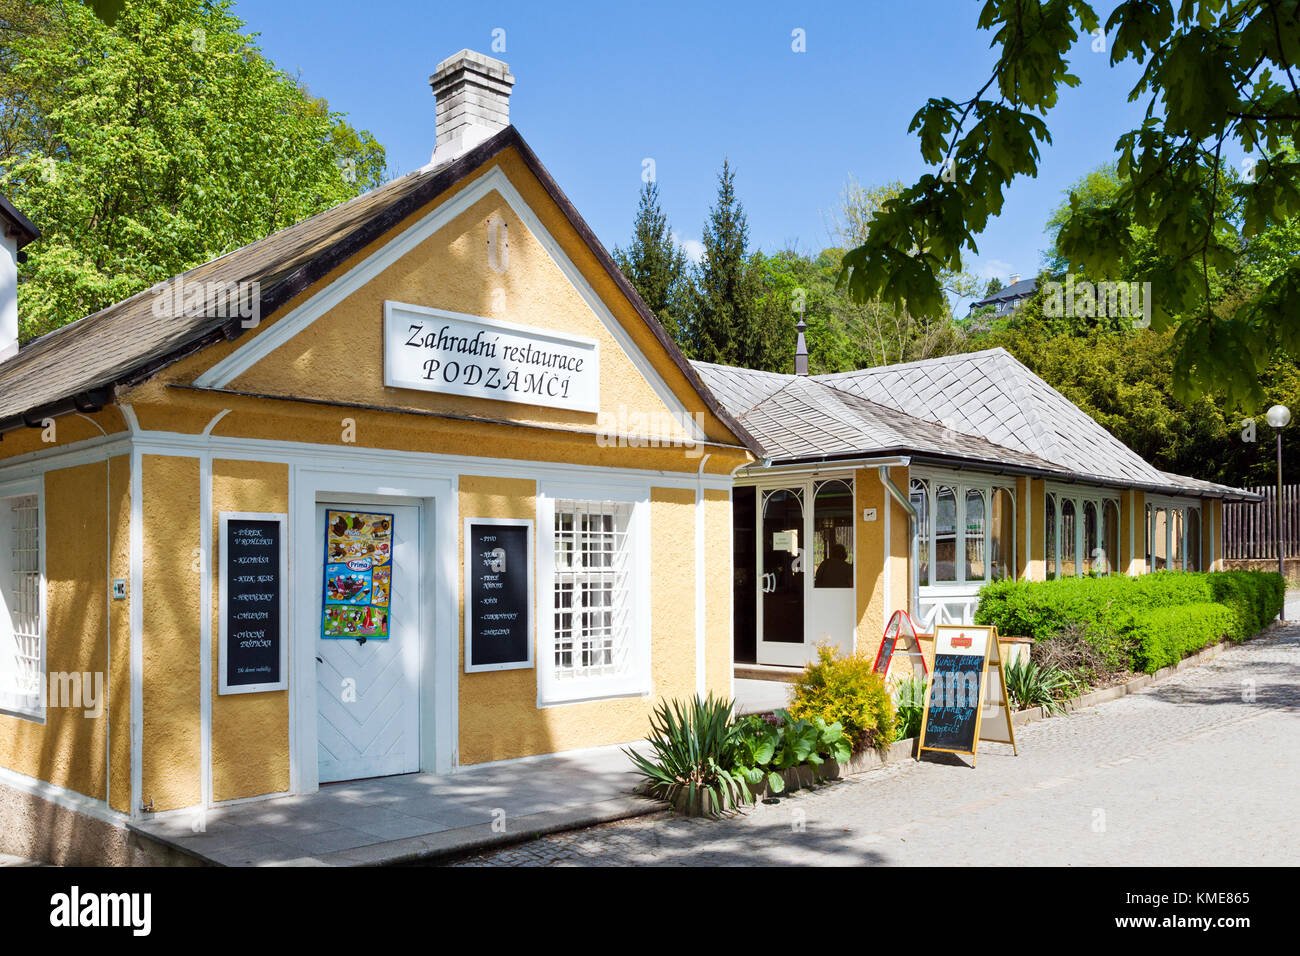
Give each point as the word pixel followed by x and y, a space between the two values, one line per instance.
pixel 981 408
pixel 76 367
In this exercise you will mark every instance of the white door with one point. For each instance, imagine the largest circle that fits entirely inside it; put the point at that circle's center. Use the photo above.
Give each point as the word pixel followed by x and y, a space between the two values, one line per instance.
pixel 368 687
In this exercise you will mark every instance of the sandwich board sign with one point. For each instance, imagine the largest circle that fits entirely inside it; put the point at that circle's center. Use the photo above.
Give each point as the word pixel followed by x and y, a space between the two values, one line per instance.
pixel 963 706
pixel 900 627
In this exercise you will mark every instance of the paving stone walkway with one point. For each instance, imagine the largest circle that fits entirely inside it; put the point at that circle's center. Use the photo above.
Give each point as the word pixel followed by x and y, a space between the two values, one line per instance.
pixel 1199 769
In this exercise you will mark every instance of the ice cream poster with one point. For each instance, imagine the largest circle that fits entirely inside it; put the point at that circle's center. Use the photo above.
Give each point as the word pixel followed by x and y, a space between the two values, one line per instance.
pixel 358 574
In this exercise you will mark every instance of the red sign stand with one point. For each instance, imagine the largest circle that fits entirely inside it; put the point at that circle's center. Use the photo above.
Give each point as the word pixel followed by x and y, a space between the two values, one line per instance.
pixel 900 625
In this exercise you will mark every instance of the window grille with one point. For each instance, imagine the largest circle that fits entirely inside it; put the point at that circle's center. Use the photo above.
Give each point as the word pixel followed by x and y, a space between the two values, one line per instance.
pixel 593 632
pixel 24 587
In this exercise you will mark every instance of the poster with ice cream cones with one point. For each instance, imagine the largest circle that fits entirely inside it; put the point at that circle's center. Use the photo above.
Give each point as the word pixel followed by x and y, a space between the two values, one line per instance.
pixel 358 574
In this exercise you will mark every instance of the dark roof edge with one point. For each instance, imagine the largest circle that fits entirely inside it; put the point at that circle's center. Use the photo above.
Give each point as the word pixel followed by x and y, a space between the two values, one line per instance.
pixel 24 227
pixel 999 467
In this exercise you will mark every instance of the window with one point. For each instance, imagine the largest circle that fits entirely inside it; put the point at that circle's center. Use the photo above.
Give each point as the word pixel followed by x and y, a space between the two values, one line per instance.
pixel 1049 525
pixel 1193 539
pixel 919 494
pixel 945 535
pixel 1091 555
pixel 833 535
pixel 1176 550
pixel 1159 539
pixel 965 532
pixel 1082 534
pixel 976 540
pixel 1110 537
pixel 22 619
pixel 598 643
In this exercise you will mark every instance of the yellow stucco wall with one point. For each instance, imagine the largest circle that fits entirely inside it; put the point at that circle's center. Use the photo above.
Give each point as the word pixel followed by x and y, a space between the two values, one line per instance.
pixel 170 761
pixel 870 493
pixel 499 716
pixel 1140 530
pixel 66 430
pixel 70 749
pixel 718 588
pixel 250 732
pixel 899 550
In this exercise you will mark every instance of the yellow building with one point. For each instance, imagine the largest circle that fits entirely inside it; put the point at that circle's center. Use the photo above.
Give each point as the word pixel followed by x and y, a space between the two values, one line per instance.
pixel 421 483
pixel 416 484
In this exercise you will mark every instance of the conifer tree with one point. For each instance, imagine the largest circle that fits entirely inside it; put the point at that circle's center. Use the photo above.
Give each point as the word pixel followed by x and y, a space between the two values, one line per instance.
pixel 655 264
pixel 724 313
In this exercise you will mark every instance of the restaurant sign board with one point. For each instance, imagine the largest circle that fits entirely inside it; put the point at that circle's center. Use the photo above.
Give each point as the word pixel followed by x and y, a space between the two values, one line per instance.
pixel 433 350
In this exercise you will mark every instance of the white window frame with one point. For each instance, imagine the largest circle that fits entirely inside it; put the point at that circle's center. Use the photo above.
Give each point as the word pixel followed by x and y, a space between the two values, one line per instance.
pixel 636 680
pixel 960 484
pixel 1080 498
pixel 1169 505
pixel 26 707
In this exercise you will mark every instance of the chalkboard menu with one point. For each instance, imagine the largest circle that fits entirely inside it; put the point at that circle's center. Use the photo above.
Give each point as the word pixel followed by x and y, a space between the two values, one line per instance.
pixel 252 551
pixel 498 594
pixel 954 702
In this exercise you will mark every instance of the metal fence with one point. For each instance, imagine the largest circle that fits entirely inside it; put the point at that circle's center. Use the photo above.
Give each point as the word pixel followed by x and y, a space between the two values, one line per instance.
pixel 1250 527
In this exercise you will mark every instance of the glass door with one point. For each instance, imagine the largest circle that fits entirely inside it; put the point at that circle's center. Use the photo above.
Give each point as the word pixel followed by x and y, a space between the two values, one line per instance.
pixel 781 581
pixel 806 552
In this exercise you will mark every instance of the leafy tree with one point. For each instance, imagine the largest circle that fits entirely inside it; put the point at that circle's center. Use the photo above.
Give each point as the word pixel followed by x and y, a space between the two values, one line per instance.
pixel 1218 76
pixel 147 146
pixel 655 264
pixel 993 287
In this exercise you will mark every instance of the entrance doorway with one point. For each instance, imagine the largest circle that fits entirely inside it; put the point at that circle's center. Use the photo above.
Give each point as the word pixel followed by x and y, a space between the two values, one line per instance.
pixel 368 642
pixel 804 553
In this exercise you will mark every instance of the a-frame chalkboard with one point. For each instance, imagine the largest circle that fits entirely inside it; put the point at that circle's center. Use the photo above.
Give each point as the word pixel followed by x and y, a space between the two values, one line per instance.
pixel 960 697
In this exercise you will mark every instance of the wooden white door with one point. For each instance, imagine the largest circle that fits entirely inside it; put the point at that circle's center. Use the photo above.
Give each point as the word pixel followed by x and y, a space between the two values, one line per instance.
pixel 367 693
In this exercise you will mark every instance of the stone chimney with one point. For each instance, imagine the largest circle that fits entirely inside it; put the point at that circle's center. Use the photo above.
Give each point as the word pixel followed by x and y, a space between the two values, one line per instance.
pixel 473 94
pixel 16 231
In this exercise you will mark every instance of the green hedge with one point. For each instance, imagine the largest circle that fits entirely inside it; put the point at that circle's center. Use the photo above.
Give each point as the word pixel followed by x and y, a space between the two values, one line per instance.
pixel 1114 610
pixel 1165 635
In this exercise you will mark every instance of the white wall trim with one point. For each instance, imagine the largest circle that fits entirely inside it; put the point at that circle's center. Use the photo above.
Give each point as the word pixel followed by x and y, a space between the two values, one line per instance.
pixel 701 621
pixel 280 332
pixel 136 587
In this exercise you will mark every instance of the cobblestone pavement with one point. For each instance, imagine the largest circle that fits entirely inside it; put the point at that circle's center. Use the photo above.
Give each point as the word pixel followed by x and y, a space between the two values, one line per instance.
pixel 1201 768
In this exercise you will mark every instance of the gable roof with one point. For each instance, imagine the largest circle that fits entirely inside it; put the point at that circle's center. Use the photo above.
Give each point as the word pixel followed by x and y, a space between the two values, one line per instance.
pixel 77 366
pixel 978 407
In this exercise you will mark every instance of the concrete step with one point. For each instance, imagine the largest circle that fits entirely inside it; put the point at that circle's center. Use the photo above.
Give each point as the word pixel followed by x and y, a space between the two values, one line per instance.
pixel 766 672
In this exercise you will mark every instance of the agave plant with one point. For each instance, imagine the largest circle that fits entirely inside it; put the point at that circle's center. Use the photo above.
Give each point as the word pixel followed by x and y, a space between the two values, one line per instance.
pixel 1036 685
pixel 693 745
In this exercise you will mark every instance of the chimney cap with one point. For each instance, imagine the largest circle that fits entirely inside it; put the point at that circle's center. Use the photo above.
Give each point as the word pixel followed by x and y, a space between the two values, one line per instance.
pixel 473 61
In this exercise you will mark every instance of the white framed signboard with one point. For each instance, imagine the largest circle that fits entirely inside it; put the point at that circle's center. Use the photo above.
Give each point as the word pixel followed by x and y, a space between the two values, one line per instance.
pixel 498 594
pixel 253 654
pixel 434 350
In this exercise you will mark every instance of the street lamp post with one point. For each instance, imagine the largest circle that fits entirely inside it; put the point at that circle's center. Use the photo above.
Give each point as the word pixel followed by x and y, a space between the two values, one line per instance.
pixel 1279 416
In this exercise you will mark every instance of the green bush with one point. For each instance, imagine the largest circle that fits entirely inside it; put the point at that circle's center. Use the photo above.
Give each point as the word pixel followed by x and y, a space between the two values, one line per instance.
pixel 1165 635
pixel 1112 610
pixel 842 688
pixel 764 748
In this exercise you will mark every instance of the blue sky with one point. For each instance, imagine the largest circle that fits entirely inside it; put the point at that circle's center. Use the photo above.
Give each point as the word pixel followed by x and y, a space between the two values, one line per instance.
pixel 600 86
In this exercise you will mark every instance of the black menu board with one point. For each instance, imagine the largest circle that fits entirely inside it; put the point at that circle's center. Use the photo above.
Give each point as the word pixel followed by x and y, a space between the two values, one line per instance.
pixel 252 603
pixel 954 702
pixel 498 594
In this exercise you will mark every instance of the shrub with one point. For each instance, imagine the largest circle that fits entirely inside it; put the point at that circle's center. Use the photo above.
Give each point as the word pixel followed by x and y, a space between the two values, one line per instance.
pixel 909 706
pixel 694 744
pixel 1036 685
pixel 765 748
pixel 1085 661
pixel 1110 610
pixel 842 688
pixel 1165 635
